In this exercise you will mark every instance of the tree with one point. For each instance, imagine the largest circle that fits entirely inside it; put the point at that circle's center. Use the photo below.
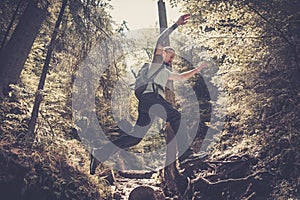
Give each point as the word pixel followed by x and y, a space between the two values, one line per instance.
pixel 10 25
pixel 15 53
pixel 38 98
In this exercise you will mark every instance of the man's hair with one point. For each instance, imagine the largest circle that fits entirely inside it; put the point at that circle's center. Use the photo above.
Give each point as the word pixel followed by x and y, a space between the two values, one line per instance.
pixel 169 49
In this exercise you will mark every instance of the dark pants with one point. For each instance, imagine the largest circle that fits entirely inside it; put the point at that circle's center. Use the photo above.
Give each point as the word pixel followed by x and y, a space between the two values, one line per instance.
pixel 150 105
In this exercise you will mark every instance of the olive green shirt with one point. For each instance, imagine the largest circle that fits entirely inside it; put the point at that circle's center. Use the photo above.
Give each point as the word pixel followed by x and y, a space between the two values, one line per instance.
pixel 161 79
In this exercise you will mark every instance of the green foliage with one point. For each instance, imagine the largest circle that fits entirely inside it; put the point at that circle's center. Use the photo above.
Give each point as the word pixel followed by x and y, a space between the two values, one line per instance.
pixel 56 171
pixel 58 164
pixel 255 46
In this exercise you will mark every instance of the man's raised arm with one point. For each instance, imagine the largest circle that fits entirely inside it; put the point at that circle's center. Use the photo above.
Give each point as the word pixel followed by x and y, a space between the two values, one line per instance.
pixel 165 34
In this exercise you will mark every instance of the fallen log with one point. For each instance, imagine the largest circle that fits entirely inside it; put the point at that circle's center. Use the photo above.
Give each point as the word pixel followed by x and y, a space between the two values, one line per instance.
pixel 136 174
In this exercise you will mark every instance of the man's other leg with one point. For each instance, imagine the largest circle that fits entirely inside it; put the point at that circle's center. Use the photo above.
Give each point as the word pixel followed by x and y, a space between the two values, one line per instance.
pixel 174 117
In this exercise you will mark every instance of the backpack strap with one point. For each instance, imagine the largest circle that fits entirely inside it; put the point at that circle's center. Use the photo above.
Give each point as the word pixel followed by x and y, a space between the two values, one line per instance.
pixel 155 89
pixel 156 72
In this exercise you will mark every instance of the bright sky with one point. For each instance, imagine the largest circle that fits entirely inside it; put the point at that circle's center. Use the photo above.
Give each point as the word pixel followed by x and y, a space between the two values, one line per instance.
pixel 141 13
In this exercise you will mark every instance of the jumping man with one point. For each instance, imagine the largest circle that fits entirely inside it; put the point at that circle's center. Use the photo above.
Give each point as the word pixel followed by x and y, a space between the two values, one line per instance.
pixel 154 95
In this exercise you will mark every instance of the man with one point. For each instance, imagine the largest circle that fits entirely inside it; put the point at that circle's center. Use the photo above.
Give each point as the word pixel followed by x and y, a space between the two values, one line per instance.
pixel 154 95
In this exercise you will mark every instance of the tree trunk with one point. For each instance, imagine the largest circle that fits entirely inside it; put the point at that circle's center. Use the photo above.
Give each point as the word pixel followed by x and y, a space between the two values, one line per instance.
pixel 13 56
pixel 10 25
pixel 38 98
pixel 170 171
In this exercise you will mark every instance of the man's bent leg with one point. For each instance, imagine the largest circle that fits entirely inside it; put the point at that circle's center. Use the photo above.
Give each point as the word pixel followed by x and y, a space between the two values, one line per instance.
pixel 140 129
pixel 112 147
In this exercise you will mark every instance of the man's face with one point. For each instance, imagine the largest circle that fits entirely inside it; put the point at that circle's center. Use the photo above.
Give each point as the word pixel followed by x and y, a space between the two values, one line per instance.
pixel 168 56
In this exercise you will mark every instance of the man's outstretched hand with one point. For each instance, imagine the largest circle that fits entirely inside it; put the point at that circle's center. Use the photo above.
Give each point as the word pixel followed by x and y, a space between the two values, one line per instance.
pixel 183 19
pixel 202 65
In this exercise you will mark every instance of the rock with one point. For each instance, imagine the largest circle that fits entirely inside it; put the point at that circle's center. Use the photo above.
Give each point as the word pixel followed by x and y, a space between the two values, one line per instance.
pixel 146 193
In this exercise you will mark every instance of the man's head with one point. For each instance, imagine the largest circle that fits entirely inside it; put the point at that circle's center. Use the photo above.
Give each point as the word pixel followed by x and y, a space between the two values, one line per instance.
pixel 168 54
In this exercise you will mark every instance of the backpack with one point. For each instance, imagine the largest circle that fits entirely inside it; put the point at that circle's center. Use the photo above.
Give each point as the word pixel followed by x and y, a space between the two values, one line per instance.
pixel 142 80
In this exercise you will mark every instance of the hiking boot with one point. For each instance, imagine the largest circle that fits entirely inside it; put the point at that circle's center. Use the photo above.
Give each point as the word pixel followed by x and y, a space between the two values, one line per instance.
pixel 93 164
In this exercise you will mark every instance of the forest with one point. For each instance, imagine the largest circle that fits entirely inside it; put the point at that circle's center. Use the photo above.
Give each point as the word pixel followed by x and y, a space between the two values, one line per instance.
pixel 55 108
